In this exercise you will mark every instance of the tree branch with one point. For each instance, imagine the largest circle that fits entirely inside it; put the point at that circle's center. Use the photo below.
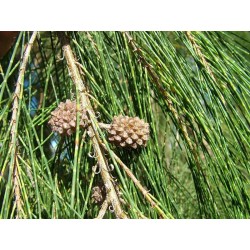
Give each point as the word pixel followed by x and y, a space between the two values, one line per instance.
pixel 197 50
pixel 93 129
pixel 103 209
pixel 18 200
pixel 138 184
pixel 17 98
pixel 166 95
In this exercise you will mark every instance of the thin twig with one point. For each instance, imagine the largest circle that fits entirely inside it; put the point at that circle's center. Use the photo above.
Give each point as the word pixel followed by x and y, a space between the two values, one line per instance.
pixel 166 95
pixel 17 192
pixel 103 209
pixel 18 94
pixel 93 44
pixel 93 129
pixel 199 53
pixel 137 183
pixel 104 125
pixel 197 50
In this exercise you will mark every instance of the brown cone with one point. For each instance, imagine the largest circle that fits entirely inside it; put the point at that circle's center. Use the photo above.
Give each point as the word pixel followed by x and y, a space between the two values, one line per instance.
pixel 98 194
pixel 63 118
pixel 130 132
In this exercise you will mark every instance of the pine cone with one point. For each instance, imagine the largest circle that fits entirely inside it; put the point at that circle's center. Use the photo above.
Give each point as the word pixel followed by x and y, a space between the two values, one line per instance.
pixel 63 118
pixel 129 132
pixel 98 194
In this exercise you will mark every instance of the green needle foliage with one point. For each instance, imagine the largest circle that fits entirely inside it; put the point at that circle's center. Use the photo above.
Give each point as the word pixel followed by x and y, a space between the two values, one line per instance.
pixel 191 87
